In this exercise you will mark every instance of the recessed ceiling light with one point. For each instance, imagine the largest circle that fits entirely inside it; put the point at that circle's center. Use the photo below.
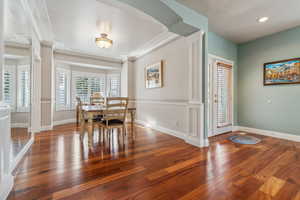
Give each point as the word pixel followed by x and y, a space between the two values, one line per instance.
pixel 262 19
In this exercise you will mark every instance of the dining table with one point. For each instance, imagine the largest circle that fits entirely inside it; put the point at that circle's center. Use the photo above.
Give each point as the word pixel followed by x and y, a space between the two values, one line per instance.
pixel 91 111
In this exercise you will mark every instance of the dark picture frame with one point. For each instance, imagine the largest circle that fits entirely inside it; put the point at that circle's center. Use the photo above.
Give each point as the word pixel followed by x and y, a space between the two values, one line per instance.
pixel 282 72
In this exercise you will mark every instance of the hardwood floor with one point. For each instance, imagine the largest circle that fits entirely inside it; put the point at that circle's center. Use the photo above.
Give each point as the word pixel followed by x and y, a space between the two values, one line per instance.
pixel 156 166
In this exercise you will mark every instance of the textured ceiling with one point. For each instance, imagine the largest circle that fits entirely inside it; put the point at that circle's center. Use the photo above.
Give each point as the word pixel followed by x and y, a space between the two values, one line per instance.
pixel 74 24
pixel 236 19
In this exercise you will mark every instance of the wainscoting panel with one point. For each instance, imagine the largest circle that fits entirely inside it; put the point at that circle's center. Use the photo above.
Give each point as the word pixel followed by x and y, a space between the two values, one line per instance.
pixel 171 116
pixel 195 133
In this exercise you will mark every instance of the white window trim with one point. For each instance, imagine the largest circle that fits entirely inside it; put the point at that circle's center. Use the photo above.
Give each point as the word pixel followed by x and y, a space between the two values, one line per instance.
pixel 12 69
pixel 20 68
pixel 67 106
pixel 108 83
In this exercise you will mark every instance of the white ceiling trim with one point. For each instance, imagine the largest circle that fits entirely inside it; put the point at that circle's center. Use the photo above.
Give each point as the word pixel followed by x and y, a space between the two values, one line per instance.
pixel 90 56
pixel 86 60
pixel 88 65
pixel 158 41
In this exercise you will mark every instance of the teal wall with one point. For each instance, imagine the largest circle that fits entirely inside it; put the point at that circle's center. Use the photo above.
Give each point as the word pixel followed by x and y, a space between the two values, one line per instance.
pixel 221 47
pixel 254 110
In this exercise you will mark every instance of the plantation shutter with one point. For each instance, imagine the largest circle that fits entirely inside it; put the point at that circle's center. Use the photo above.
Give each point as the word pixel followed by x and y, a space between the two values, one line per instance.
pixel 114 85
pixel 62 89
pixel 224 95
pixel 85 84
pixel 9 86
pixel 24 88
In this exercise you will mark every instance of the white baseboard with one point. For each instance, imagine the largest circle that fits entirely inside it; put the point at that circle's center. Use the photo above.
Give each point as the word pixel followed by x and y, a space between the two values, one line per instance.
pixel 62 122
pixel 235 128
pixel 178 134
pixel 46 128
pixel 57 123
pixel 174 133
pixel 285 136
pixel 6 186
pixel 19 125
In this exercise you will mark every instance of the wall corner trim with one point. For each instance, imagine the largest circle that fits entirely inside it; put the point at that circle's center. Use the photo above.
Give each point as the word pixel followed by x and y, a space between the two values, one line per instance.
pixel 275 134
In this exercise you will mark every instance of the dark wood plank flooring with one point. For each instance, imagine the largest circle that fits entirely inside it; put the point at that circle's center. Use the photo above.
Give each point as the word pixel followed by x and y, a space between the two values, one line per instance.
pixel 156 166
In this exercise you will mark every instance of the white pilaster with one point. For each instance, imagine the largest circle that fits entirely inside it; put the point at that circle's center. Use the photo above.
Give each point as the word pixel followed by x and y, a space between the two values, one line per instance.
pixel 47 84
pixel 2 10
pixel 36 85
pixel 195 108
pixel 6 178
pixel 127 78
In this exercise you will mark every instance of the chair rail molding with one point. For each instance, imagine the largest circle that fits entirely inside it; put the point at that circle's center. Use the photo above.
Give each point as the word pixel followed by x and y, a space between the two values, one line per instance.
pixel 174 102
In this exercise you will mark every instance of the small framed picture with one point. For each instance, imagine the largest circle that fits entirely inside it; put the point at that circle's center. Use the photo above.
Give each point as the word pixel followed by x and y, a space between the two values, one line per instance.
pixel 154 75
pixel 282 72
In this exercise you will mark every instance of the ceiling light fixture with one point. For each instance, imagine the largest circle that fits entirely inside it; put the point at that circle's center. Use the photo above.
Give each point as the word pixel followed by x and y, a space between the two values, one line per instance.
pixel 262 19
pixel 103 41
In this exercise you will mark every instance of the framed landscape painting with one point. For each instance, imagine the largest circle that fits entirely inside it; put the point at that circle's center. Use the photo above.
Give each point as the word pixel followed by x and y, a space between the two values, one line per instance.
pixel 282 72
pixel 154 75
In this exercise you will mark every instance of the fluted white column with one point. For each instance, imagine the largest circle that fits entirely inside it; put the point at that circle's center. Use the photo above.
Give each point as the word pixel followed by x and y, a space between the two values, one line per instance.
pixel 47 86
pixel 127 78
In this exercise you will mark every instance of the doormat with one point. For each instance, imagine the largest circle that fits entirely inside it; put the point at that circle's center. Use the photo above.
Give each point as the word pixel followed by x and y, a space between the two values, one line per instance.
pixel 244 139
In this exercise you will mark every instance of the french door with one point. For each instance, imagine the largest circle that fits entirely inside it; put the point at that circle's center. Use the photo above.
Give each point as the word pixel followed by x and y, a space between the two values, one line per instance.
pixel 222 98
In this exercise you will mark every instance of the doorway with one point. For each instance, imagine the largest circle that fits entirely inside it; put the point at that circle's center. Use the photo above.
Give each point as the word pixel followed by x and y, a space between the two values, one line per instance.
pixel 220 95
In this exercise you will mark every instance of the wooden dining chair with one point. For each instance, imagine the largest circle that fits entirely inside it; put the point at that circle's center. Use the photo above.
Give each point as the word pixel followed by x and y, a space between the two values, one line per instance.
pixel 96 99
pixel 82 118
pixel 78 110
pixel 114 115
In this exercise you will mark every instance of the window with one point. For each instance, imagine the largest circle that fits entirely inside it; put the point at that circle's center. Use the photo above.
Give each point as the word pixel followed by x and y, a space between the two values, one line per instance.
pixel 224 95
pixel 62 89
pixel 9 86
pixel 72 84
pixel 114 85
pixel 16 87
pixel 23 88
pixel 85 84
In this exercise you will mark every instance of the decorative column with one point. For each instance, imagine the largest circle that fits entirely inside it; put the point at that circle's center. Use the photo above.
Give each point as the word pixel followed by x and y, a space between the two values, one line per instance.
pixel 6 178
pixel 195 109
pixel 2 10
pixel 47 86
pixel 127 78
pixel 36 85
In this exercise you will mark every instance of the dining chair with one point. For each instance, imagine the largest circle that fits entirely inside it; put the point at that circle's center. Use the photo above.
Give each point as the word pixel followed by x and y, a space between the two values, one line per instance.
pixel 96 98
pixel 81 117
pixel 114 115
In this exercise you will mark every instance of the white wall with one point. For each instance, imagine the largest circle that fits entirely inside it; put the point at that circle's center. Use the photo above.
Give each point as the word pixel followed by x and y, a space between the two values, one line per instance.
pixel 164 107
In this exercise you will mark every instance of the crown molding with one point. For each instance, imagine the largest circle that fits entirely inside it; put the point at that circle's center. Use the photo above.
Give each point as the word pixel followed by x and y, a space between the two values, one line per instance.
pixel 47 43
pixel 157 42
pixel 85 55
pixel 86 60
pixel 17 45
